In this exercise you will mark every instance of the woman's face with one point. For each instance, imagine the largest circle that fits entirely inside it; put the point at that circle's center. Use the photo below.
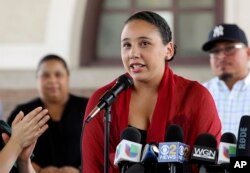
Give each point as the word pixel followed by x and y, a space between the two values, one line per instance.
pixel 143 52
pixel 53 81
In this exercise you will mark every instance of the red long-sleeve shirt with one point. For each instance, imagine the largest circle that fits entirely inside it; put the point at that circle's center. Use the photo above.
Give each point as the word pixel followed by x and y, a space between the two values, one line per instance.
pixel 180 101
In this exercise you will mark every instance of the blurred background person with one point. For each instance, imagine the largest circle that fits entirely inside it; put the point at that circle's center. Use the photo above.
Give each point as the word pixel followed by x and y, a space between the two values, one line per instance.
pixel 24 134
pixel 229 54
pixel 58 149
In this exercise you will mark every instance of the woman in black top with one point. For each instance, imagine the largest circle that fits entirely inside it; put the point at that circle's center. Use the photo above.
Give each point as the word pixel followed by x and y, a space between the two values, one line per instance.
pixel 59 147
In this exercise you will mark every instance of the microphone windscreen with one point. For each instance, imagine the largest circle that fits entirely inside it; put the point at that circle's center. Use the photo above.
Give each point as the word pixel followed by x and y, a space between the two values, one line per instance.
pixel 174 133
pixel 150 153
pixel 243 143
pixel 129 149
pixel 227 148
pixel 136 168
pixel 228 137
pixel 131 134
pixel 205 149
pixel 206 140
pixel 126 80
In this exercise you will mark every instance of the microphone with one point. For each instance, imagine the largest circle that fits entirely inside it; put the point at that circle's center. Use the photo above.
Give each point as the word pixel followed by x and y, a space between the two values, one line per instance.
pixel 129 149
pixel 241 161
pixel 122 83
pixel 173 151
pixel 136 168
pixel 227 148
pixel 243 143
pixel 150 153
pixel 149 158
pixel 204 151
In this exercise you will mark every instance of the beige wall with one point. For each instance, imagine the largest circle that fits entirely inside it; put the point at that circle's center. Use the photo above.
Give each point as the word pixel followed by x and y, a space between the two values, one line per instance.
pixel 30 29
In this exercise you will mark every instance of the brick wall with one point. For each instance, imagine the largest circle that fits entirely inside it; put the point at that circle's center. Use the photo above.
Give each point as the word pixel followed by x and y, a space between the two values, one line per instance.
pixel 11 97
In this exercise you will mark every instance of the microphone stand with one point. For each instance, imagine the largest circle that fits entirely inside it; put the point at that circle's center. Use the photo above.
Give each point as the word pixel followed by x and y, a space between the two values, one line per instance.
pixel 172 168
pixel 107 121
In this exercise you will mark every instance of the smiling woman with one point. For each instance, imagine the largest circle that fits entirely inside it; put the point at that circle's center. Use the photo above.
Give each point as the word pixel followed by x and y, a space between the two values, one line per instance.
pixel 158 98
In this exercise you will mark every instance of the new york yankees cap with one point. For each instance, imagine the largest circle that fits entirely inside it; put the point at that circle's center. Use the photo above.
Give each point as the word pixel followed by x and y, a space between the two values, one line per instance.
pixel 225 32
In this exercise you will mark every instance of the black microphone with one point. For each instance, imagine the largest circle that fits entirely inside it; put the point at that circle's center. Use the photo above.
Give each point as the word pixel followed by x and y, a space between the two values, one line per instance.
pixel 227 148
pixel 123 82
pixel 204 152
pixel 240 163
pixel 150 153
pixel 149 157
pixel 243 144
pixel 128 151
pixel 136 168
pixel 229 138
pixel 174 133
pixel 173 151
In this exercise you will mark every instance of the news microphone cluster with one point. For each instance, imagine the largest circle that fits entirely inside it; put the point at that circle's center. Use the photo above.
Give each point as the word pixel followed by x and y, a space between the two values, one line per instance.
pixel 129 151
pixel 233 154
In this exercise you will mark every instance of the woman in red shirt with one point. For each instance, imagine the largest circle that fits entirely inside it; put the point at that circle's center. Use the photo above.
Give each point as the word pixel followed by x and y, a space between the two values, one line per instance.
pixel 158 98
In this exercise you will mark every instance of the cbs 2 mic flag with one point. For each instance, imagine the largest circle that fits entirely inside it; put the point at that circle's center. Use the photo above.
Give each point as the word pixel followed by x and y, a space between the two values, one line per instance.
pixel 173 152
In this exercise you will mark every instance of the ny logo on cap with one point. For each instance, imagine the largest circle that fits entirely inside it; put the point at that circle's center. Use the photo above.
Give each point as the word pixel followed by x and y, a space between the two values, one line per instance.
pixel 218 31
